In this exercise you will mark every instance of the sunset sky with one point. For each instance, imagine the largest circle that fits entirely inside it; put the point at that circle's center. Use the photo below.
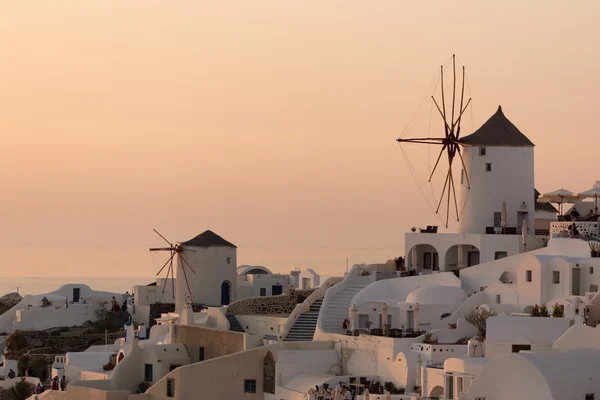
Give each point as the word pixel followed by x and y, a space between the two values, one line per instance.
pixel 272 123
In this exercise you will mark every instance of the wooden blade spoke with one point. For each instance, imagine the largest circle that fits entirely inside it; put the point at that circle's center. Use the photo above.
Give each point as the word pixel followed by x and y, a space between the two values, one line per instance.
pixel 446 127
pixel 454 193
pixel 161 249
pixel 458 120
pixel 464 167
pixel 186 280
pixel 187 263
pixel 449 184
pixel 164 238
pixel 163 267
pixel 443 191
pixel 439 141
pixel 453 86
pixel 165 285
pixel 437 162
pixel 443 97
pixel 172 278
pixel 462 93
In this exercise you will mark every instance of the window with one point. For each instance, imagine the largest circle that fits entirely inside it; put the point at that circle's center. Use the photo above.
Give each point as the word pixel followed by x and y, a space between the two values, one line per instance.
pixel 263 291
pixel 170 387
pixel 249 385
pixel 589 396
pixel 201 354
pixel 148 373
pixel 499 255
pixel 228 260
pixel 528 275
pixel 520 347
pixel 593 288
pixel 497 299
pixel 497 220
pixel 488 167
pixel 555 277
pixel 591 270
pixel 482 151
pixel 462 176
pixel 481 288
pixel 173 366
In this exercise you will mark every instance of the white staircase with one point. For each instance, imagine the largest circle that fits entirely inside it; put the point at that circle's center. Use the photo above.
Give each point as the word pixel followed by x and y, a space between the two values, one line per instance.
pixel 336 303
pixel 304 327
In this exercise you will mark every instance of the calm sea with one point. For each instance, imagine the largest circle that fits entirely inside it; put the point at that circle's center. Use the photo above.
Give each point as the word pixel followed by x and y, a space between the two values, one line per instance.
pixel 39 285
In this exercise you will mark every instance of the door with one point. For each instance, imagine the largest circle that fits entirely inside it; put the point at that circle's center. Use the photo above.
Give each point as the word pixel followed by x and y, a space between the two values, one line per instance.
pixel 362 321
pixel 76 292
pixel 410 319
pixel 305 283
pixel 148 372
pixel 520 217
pixel 436 262
pixel 225 297
pixel 263 291
pixel 427 260
pixel 472 258
pixel 276 290
pixel 575 276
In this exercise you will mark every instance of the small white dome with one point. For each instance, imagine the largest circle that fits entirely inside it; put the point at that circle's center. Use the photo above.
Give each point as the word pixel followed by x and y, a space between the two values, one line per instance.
pixel 437 295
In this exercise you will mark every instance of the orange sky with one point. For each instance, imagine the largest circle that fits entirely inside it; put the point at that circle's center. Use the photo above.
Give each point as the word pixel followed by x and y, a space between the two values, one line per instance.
pixel 270 122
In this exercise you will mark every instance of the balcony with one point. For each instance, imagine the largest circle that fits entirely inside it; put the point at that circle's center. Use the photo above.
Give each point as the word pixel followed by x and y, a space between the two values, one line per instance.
pixel 585 228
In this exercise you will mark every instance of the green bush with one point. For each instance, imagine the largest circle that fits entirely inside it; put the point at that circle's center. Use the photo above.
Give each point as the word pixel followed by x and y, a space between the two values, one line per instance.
pixel 15 345
pixel 478 318
pixel 40 369
pixel 21 391
pixel 557 311
pixel 22 365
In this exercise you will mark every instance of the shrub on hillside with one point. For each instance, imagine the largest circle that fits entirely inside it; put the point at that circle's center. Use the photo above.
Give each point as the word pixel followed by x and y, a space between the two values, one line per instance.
pixel 21 391
pixel 15 345
pixel 478 318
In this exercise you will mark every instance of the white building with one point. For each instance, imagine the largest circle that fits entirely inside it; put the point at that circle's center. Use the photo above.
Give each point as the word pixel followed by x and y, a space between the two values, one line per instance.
pixel 70 305
pixel 255 281
pixel 560 375
pixel 213 281
pixel 499 162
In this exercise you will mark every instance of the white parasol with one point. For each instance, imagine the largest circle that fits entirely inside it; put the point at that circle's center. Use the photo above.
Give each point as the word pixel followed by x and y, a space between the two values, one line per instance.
pixel 559 197
pixel 593 193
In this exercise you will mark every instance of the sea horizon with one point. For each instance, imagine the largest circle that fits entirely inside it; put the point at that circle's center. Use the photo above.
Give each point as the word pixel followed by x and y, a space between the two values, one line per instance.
pixel 46 284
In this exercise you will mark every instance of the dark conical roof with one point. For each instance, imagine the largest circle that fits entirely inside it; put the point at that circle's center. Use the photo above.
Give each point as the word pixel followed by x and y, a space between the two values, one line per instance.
pixel 497 131
pixel 208 239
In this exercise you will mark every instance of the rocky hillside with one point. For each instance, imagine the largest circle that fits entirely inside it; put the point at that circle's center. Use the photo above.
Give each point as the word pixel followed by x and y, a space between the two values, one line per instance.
pixel 8 301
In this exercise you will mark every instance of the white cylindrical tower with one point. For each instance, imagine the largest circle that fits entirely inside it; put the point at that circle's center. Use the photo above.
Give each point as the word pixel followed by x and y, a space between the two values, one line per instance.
pixel 214 282
pixel 499 167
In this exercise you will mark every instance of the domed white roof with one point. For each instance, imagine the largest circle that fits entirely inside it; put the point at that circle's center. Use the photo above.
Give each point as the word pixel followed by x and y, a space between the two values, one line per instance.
pixel 437 295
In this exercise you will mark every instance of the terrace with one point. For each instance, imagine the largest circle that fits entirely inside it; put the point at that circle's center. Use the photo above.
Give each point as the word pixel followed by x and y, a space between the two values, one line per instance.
pixel 565 229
